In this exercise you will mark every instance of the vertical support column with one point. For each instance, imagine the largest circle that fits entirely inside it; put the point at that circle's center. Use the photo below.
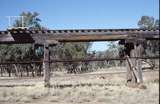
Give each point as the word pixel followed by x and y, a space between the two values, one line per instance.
pixel 128 72
pixel 133 53
pixel 46 66
pixel 134 66
pixel 33 52
pixel 139 49
pixel 2 70
pixel 130 63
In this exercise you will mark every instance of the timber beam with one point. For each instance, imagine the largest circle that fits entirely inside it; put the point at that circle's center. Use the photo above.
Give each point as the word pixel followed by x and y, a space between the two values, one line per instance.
pixel 19 36
pixel 88 38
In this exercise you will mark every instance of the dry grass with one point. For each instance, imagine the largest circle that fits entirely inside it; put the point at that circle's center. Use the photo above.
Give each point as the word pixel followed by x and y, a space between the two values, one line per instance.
pixel 83 90
pixel 94 94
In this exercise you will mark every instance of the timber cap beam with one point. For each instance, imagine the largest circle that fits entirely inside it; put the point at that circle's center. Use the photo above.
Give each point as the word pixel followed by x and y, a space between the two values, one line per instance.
pixel 51 42
pixel 88 38
pixel 76 35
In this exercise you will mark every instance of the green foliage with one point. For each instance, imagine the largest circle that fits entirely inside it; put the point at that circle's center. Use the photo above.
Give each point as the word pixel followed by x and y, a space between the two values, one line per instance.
pixel 148 22
pixel 31 20
pixel 75 50
pixel 113 49
pixel 19 51
pixel 15 52
pixel 152 47
pixel 70 51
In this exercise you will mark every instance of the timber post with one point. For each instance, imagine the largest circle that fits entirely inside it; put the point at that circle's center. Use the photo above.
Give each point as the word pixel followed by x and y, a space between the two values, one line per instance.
pixel 46 66
pixel 46 62
pixel 139 49
pixel 134 66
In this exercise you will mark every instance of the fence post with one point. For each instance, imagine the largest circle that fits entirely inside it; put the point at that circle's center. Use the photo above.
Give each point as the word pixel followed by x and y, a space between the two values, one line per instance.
pixel 46 66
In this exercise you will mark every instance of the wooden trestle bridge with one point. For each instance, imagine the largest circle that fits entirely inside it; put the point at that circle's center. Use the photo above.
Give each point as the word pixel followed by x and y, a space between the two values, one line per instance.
pixel 132 39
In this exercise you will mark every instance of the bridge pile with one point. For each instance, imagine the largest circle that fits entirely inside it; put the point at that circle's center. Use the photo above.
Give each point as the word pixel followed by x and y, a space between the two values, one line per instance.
pixel 132 39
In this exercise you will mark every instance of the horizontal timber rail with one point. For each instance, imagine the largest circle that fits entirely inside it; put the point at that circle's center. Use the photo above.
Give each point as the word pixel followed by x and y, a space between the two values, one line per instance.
pixel 100 59
pixel 76 60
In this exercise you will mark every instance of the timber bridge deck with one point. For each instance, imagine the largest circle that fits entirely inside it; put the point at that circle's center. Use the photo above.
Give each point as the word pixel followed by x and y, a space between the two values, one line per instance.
pixel 129 37
pixel 20 36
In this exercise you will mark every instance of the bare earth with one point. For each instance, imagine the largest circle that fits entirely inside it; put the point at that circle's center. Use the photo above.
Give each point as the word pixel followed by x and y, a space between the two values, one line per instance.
pixel 91 88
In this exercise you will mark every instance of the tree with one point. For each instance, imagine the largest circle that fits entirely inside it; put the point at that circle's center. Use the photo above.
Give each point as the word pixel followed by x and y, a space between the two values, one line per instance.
pixel 19 51
pixel 15 52
pixel 30 20
pixel 69 51
pixel 147 22
pixel 113 51
pixel 151 46
pixel 23 52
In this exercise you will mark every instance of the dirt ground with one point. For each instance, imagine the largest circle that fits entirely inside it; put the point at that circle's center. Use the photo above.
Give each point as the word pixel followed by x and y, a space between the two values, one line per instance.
pixel 90 88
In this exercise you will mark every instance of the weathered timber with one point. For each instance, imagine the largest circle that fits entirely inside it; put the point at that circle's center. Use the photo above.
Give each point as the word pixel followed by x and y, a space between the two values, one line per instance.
pixel 98 59
pixel 128 71
pixel 134 71
pixel 88 38
pixel 15 38
pixel 40 36
pixel 46 66
pixel 4 38
pixel 74 60
pixel 133 75
pixel 55 36
pixel 139 50
pixel 52 42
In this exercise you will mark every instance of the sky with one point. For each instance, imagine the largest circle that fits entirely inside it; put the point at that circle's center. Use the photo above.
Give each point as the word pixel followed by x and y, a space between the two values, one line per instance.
pixel 82 14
